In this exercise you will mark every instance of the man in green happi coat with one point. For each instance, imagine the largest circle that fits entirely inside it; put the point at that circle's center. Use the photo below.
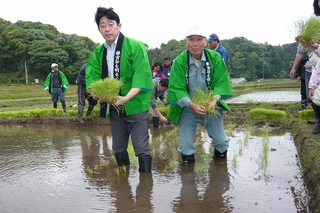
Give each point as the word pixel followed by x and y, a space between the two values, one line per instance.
pixel 198 68
pixel 57 84
pixel 124 59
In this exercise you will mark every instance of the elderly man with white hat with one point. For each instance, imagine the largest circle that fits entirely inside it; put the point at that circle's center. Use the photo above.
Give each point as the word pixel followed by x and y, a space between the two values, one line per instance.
pixel 199 68
pixel 57 84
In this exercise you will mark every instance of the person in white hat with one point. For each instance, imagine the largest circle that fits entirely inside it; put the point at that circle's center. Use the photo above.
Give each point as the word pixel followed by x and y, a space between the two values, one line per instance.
pixel 198 68
pixel 57 84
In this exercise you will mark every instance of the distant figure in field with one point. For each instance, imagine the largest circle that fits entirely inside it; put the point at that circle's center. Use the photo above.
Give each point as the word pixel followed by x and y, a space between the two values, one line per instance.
pixel 57 84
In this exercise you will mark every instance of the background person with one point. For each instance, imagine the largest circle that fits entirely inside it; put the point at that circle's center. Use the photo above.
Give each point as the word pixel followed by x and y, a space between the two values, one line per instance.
pixel 156 70
pixel 301 50
pixel 83 95
pixel 313 84
pixel 214 44
pixel 57 84
pixel 166 67
pixel 300 75
pixel 124 59
pixel 189 72
pixel 160 86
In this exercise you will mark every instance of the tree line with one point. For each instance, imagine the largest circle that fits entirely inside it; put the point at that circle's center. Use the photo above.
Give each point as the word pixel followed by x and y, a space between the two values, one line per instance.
pixel 33 46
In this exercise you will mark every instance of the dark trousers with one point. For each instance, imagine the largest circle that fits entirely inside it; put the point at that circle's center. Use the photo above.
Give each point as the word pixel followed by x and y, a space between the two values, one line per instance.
pixel 136 126
pixel 83 95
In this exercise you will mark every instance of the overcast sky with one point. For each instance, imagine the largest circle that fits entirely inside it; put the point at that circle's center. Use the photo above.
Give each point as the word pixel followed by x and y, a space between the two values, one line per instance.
pixel 155 22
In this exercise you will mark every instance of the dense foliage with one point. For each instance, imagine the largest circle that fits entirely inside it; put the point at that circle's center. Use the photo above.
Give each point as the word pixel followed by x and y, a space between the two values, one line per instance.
pixel 246 59
pixel 33 46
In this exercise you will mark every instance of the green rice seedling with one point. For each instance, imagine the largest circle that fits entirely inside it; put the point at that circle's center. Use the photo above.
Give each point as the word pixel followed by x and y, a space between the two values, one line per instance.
pixel 106 163
pixel 262 161
pixel 153 152
pixel 234 163
pixel 96 167
pixel 308 31
pixel 246 137
pixel 117 171
pixel 230 129
pixel 203 98
pixel 132 155
pixel 241 148
pixel 202 166
pixel 197 141
pixel 268 114
pixel 106 90
pixel 170 165
pixel 123 169
pixel 89 170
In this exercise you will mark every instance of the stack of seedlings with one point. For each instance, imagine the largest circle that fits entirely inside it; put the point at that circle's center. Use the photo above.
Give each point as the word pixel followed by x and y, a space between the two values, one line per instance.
pixel 308 31
pixel 106 90
pixel 203 98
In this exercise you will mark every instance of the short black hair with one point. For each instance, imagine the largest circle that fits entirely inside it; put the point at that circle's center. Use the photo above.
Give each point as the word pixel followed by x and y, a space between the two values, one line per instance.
pixel 164 82
pixel 166 58
pixel 107 12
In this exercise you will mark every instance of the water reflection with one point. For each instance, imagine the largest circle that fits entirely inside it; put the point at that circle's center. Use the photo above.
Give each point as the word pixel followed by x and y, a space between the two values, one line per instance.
pixel 47 169
pixel 204 194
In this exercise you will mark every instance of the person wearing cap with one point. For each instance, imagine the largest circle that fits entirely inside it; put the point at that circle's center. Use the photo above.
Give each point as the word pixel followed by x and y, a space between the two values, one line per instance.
pixel 57 84
pixel 214 44
pixel 124 59
pixel 198 68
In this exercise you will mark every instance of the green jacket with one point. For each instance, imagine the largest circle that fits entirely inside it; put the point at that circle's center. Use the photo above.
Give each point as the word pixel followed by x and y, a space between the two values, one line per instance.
pixel 219 81
pixel 63 81
pixel 134 73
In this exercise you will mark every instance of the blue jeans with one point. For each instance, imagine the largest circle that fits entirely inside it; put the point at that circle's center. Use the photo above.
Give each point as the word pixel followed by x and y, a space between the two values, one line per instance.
pixel 57 93
pixel 188 124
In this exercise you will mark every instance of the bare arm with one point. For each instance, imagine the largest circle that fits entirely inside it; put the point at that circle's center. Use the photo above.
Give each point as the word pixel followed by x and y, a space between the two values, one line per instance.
pixel 124 99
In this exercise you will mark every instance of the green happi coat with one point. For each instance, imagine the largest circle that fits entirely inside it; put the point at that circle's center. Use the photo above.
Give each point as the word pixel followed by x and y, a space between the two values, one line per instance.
pixel 134 73
pixel 219 81
pixel 63 81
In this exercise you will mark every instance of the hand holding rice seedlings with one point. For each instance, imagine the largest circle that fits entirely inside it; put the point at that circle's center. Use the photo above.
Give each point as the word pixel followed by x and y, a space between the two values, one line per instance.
pixel 308 31
pixel 203 98
pixel 106 90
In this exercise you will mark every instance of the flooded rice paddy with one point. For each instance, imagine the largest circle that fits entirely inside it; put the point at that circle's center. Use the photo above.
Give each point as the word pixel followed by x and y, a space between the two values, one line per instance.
pixel 62 169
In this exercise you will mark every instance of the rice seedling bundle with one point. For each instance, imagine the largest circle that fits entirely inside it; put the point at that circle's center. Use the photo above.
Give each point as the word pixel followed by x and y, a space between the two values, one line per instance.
pixel 203 98
pixel 106 89
pixel 308 31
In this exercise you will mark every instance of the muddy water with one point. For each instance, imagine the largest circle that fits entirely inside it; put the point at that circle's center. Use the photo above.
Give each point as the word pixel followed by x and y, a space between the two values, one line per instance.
pixel 61 169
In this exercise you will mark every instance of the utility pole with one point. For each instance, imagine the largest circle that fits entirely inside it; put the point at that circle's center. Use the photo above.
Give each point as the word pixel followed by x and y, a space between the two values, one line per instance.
pixel 26 71
pixel 262 69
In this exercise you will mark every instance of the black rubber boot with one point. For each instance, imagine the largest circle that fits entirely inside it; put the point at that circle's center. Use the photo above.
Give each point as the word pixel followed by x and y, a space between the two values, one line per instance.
pixel 316 128
pixel 80 113
pixel 122 158
pixel 55 105
pixel 219 155
pixel 187 158
pixel 314 110
pixel 90 109
pixel 155 122
pixel 64 107
pixel 145 164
